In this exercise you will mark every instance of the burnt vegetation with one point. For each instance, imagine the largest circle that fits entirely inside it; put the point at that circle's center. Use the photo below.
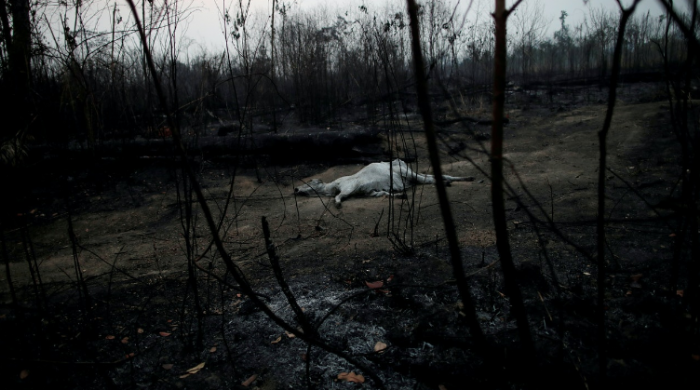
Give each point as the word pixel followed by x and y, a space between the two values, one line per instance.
pixel 150 237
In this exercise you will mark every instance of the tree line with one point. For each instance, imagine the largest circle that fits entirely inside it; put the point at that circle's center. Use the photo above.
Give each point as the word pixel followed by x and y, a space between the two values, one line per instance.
pixel 71 77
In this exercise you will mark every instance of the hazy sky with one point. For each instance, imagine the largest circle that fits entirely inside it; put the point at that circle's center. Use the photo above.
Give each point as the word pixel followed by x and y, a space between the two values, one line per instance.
pixel 205 22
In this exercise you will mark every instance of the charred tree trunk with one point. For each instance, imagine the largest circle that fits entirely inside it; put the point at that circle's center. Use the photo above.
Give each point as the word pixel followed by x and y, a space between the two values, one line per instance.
pixel 450 230
pixel 272 68
pixel 18 75
pixel 602 166
pixel 8 273
pixel 497 198
pixel 5 27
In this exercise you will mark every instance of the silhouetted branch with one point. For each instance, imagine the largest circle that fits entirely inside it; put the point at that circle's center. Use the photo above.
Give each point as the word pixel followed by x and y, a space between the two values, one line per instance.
pixel 277 269
pixel 450 229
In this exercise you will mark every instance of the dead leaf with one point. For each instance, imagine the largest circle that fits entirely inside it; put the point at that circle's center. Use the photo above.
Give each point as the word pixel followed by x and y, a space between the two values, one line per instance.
pixel 25 373
pixel 390 278
pixel 380 347
pixel 374 285
pixel 139 331
pixel 110 337
pixel 695 357
pixel 184 376
pixel 250 380
pixel 628 293
pixel 636 277
pixel 290 334
pixel 441 387
pixel 196 368
pixel 212 349
pixel 125 340
pixel 587 273
pixel 351 377
pixel 167 366
pixel 238 295
pixel 502 294
pixel 130 355
pixel 303 357
pixel 672 235
pixel 277 340
pixel 164 334
pixel 679 293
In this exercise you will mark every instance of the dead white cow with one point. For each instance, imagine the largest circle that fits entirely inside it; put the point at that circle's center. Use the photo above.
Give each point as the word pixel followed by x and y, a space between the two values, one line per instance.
pixel 376 179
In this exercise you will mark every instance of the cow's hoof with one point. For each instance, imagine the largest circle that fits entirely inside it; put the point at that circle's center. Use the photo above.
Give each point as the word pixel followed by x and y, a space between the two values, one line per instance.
pixel 338 205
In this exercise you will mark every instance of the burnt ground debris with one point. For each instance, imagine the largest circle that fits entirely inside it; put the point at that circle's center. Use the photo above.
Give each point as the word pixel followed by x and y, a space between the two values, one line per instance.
pixel 126 219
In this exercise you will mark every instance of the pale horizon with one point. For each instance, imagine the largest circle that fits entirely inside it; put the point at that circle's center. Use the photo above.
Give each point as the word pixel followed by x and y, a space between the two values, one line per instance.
pixel 206 26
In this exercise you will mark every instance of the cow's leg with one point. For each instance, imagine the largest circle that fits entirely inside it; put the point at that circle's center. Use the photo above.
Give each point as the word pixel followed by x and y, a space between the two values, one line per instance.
pixel 339 198
pixel 378 194
pixel 450 179
pixel 419 178
pixel 430 179
pixel 422 179
pixel 406 173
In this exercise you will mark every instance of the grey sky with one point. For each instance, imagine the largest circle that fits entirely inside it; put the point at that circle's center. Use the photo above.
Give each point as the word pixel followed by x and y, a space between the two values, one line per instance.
pixel 205 23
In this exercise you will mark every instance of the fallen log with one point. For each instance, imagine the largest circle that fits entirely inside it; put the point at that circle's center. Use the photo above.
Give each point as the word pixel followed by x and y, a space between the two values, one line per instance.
pixel 311 145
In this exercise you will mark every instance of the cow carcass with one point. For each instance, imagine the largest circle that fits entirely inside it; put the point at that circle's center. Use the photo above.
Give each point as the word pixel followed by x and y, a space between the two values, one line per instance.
pixel 376 179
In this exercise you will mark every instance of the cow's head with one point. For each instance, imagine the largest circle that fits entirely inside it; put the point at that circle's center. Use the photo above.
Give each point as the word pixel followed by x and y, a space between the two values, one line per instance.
pixel 310 188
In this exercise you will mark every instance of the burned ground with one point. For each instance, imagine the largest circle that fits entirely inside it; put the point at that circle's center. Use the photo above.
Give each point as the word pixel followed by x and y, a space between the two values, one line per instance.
pixel 141 328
